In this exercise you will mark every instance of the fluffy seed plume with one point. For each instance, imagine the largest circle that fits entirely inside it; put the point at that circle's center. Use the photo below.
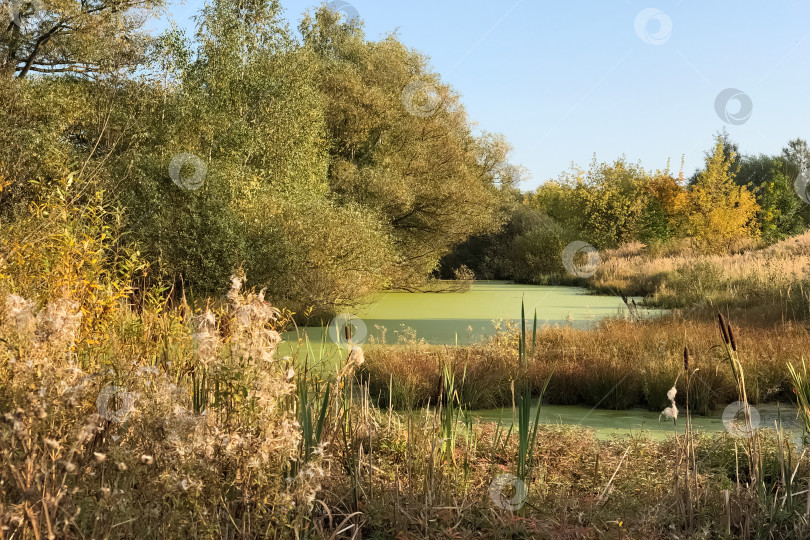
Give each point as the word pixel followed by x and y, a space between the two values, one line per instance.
pixel 19 310
pixel 672 410
pixel 357 356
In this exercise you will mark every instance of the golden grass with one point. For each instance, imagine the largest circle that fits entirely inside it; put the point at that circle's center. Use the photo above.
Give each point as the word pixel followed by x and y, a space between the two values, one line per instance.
pixel 619 364
pixel 220 440
pixel 771 281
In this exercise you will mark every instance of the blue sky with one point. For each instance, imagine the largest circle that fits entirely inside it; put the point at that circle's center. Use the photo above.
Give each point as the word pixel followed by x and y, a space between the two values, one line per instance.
pixel 566 79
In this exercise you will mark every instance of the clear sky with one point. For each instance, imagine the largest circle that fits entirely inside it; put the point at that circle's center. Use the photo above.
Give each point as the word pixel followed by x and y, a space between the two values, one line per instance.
pixel 566 79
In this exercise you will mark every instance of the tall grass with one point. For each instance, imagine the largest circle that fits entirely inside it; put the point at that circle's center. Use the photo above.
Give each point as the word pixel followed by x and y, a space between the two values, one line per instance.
pixel 527 430
pixel 801 387
pixel 766 282
pixel 617 365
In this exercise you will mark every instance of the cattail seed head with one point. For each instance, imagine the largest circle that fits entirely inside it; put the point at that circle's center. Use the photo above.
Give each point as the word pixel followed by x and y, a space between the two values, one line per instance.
pixel 731 338
pixel 347 330
pixel 685 359
pixel 723 328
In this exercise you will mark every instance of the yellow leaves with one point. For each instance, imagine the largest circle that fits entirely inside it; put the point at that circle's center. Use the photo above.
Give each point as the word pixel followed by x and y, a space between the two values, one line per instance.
pixel 718 210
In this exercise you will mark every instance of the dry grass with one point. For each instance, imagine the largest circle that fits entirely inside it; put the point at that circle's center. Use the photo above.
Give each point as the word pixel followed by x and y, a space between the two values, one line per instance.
pixel 209 435
pixel 620 364
pixel 770 282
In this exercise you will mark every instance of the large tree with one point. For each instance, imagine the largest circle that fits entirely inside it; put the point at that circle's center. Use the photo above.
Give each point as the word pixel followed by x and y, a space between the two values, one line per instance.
pixel 402 146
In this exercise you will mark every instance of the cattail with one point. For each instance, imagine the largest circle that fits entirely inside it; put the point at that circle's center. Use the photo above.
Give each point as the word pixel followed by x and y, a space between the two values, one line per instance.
pixel 347 331
pixel 731 338
pixel 685 359
pixel 723 328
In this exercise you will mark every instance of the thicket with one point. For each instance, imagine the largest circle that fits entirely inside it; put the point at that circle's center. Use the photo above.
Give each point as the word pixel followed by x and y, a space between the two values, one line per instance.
pixel 325 164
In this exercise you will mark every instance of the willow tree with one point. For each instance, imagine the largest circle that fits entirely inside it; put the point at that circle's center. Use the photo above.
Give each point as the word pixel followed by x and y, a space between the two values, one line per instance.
pixel 401 144
pixel 242 97
pixel 86 37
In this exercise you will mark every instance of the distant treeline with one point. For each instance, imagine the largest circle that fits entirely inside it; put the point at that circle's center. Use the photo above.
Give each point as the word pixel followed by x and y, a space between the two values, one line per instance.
pixel 733 200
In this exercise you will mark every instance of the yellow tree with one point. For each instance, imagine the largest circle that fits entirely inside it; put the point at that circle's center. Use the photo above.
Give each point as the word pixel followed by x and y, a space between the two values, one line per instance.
pixel 717 210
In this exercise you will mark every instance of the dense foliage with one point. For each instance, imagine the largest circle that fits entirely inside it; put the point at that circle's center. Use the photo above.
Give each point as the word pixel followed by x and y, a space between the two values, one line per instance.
pixel 325 164
pixel 732 199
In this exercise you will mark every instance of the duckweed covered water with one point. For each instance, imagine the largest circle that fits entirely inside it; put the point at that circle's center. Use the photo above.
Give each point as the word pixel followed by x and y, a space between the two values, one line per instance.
pixel 640 421
pixel 464 317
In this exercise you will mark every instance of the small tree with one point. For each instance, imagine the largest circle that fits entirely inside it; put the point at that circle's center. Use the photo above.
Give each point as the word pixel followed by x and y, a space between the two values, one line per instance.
pixel 780 209
pixel 717 210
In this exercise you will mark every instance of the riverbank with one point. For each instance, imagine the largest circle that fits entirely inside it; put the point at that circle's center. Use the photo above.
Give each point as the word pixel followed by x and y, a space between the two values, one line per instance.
pixel 197 407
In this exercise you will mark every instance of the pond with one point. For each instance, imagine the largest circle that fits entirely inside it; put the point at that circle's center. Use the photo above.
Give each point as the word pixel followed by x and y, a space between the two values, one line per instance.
pixel 607 423
pixel 464 317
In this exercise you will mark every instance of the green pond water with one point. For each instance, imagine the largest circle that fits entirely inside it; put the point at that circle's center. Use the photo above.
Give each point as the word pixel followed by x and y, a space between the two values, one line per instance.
pixel 460 317
pixel 637 421
pixel 466 317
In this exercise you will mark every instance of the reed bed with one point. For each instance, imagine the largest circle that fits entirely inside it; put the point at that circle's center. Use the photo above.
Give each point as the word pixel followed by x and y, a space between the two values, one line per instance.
pixel 620 364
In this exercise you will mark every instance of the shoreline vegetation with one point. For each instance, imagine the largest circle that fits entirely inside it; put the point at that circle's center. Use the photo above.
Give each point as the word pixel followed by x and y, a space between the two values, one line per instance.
pixel 239 443
pixel 624 363
pixel 108 402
